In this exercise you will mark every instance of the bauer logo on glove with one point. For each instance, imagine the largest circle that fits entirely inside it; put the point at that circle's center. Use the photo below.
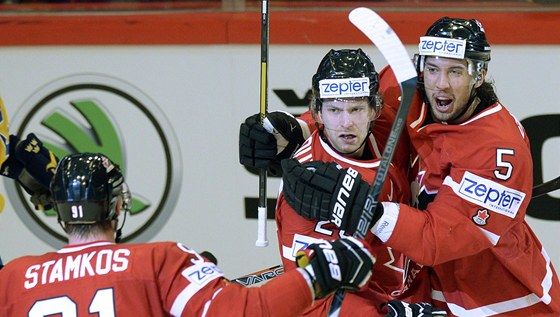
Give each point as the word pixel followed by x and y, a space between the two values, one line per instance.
pixel 344 263
pixel 343 195
pixel 326 191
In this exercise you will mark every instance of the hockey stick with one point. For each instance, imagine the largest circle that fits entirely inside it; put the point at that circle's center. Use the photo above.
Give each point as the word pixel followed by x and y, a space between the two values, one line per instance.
pixel 389 44
pixel 546 187
pixel 262 240
pixel 260 276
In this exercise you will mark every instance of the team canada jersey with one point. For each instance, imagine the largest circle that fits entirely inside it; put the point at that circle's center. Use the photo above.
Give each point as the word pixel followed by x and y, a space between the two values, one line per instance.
pixel 393 273
pixel 474 183
pixel 156 279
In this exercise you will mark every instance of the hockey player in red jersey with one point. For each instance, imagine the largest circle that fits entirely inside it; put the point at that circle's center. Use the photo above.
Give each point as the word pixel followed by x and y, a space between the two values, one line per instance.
pixel 344 117
pixel 473 185
pixel 344 135
pixel 94 275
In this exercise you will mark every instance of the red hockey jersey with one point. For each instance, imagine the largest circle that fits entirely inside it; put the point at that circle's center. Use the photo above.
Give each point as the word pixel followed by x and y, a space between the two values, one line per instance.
pixel 473 183
pixel 156 279
pixel 393 273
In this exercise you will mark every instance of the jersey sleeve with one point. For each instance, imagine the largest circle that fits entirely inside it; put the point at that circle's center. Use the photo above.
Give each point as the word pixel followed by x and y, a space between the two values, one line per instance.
pixel 192 286
pixel 307 117
pixel 296 233
pixel 479 191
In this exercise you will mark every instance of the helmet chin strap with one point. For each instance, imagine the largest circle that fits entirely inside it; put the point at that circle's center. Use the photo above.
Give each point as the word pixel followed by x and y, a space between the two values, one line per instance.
pixel 118 233
pixel 125 208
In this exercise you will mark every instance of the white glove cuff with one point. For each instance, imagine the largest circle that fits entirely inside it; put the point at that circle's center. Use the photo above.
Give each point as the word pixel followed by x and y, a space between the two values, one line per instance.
pixel 384 227
pixel 309 278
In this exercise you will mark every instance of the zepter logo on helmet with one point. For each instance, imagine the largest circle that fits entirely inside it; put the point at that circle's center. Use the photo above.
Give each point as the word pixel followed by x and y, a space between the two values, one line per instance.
pixel 345 73
pixel 344 88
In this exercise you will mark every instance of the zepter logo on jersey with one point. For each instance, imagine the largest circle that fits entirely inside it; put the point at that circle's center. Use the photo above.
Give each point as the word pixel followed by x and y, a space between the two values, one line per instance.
pixel 490 195
pixel 99 113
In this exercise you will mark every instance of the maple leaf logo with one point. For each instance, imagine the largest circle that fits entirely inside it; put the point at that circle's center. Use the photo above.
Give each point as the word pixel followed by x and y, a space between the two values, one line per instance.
pixel 481 216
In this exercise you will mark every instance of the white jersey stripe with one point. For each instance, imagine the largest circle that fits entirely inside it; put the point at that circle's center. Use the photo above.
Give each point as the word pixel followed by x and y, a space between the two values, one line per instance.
pixel 547 280
pixel 489 310
pixel 187 293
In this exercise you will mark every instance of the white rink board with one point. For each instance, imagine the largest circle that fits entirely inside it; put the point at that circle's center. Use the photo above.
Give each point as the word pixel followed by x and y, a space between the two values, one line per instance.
pixel 205 92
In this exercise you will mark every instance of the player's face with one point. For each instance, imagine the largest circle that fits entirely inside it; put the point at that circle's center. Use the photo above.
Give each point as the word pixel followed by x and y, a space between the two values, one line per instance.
pixel 346 124
pixel 448 86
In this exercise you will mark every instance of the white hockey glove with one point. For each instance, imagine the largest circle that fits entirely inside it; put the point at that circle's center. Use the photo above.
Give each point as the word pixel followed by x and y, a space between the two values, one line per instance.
pixel 343 263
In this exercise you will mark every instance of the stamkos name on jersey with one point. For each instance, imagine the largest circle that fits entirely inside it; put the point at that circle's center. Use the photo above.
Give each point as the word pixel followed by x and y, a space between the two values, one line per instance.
pixel 491 195
pixel 344 87
pixel 444 47
pixel 73 267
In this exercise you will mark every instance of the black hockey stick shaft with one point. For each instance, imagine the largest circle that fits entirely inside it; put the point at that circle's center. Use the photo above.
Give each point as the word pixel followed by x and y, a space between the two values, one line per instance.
pixel 408 88
pixel 260 276
pixel 381 34
pixel 262 240
pixel 546 187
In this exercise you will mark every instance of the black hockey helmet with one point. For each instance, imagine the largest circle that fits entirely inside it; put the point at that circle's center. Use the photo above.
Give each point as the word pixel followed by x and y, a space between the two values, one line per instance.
pixel 468 40
pixel 345 64
pixel 477 47
pixel 86 187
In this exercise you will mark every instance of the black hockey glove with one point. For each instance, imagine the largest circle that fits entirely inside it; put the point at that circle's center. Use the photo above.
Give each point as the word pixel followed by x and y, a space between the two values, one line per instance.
pixel 401 309
pixel 343 263
pixel 32 165
pixel 209 256
pixel 326 191
pixel 265 146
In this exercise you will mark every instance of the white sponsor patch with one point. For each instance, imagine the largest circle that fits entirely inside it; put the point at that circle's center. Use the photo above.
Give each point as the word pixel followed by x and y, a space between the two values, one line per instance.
pixel 301 242
pixel 202 273
pixel 490 195
pixel 344 87
pixel 440 46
